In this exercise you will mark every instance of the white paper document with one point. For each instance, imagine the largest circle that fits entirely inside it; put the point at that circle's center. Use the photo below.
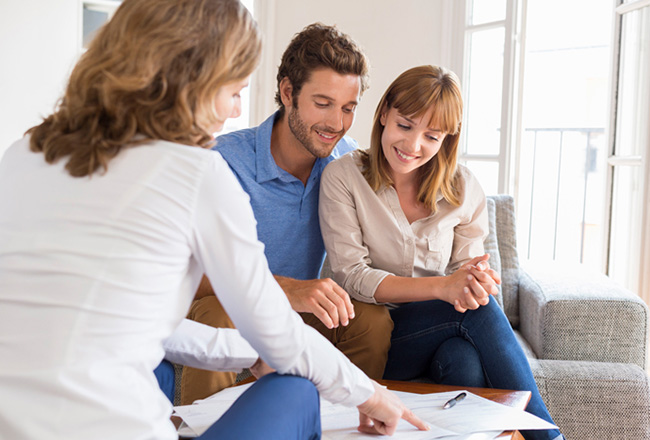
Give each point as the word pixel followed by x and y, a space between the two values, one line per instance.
pixel 474 418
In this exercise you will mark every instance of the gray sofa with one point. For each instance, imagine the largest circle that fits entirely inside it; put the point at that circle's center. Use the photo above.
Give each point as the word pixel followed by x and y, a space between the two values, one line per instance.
pixel 586 338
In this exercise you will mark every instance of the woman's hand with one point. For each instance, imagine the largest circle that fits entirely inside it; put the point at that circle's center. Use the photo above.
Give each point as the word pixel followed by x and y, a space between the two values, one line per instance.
pixel 381 413
pixel 471 286
pixel 260 368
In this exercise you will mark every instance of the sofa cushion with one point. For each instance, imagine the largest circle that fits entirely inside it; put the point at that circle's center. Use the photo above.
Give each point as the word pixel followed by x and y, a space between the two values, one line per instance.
pixel 595 400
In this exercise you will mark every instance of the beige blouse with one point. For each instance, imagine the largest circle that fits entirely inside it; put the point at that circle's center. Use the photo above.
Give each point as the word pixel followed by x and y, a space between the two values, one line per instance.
pixel 367 235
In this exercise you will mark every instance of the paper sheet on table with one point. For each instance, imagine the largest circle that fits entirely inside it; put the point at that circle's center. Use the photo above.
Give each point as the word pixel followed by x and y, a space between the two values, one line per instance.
pixel 199 416
pixel 475 418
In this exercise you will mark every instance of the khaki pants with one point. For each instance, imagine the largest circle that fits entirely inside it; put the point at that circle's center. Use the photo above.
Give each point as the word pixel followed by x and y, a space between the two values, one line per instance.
pixel 365 341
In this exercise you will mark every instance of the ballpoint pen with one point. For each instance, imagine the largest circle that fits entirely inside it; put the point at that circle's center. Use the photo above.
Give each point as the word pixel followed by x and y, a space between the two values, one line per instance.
pixel 450 403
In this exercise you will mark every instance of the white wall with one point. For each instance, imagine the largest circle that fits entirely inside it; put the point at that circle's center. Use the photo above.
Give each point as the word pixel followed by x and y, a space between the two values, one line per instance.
pixel 395 35
pixel 41 39
pixel 39 45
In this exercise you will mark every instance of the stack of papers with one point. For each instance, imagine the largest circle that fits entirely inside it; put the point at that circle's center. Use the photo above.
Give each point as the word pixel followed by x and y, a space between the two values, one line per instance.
pixel 474 418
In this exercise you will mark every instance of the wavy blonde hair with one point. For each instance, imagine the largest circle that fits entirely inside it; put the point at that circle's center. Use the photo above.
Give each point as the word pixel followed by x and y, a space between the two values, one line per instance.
pixel 413 93
pixel 152 71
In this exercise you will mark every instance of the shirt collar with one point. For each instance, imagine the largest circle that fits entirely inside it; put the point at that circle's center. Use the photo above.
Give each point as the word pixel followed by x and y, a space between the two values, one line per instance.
pixel 267 169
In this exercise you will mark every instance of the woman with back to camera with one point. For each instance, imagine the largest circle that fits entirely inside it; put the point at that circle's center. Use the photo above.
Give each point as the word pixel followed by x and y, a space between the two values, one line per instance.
pixel 111 213
pixel 404 225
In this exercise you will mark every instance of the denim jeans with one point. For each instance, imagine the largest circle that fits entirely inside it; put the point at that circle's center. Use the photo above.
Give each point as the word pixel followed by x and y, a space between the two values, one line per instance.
pixel 274 408
pixel 164 372
pixel 475 348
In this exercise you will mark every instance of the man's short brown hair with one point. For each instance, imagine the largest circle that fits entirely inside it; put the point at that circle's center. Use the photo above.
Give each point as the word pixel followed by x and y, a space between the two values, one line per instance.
pixel 320 46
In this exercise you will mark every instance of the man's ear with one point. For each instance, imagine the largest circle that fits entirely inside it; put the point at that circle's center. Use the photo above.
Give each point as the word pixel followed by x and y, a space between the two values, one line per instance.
pixel 286 91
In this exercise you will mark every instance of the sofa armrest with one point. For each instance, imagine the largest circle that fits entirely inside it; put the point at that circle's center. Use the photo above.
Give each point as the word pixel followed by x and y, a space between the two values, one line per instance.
pixel 570 313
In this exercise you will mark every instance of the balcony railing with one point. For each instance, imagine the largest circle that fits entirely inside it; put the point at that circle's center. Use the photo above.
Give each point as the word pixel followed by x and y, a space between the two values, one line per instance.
pixel 561 194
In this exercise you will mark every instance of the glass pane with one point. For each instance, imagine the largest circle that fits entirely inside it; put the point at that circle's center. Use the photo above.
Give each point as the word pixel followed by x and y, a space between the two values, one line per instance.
pixel 563 154
pixel 487 11
pixel 487 174
pixel 94 15
pixel 483 102
pixel 627 213
pixel 633 84
pixel 561 187
pixel 632 139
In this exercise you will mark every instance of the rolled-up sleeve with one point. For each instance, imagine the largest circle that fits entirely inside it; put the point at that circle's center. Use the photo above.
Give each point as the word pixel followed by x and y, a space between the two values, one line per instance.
pixel 472 229
pixel 342 231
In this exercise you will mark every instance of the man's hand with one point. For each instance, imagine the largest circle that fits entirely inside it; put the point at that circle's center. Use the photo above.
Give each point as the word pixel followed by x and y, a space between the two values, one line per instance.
pixel 322 297
pixel 381 413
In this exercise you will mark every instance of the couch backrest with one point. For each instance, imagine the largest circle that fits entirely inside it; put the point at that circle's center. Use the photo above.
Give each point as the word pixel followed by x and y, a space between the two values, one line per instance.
pixel 501 244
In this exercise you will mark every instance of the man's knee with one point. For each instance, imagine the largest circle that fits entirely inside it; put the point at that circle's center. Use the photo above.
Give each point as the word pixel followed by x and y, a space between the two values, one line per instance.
pixel 372 320
pixel 209 311
pixel 366 340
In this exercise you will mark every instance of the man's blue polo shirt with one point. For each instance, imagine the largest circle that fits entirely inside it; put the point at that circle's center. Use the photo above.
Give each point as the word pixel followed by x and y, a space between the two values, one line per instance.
pixel 286 210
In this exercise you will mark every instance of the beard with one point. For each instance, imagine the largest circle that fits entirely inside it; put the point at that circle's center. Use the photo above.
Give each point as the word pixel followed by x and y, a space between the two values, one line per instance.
pixel 303 133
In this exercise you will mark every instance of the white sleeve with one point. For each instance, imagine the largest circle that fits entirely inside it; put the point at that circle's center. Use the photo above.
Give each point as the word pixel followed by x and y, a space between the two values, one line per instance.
pixel 217 349
pixel 225 245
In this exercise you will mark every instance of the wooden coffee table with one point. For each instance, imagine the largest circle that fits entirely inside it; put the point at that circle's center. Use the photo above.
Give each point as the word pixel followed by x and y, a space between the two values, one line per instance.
pixel 516 399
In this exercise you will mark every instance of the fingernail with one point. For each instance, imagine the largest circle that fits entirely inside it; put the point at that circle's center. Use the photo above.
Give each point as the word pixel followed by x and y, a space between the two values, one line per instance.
pixel 351 315
pixel 345 323
pixel 469 277
pixel 466 289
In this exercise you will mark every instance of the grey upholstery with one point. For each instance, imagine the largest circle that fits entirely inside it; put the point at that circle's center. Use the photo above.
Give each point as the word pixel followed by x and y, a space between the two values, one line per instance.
pixel 586 338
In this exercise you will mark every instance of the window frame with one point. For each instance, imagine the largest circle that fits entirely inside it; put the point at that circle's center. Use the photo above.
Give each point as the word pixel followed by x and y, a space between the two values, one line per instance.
pixel 455 54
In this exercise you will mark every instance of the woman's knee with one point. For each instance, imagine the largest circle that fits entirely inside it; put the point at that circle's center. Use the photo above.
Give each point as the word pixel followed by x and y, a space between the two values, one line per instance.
pixel 457 362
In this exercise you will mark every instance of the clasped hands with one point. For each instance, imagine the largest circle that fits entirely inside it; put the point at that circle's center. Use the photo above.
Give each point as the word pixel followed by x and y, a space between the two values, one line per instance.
pixel 471 286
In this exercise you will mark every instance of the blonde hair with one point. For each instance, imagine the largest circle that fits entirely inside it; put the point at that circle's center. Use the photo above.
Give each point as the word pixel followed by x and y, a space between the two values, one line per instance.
pixel 414 93
pixel 153 70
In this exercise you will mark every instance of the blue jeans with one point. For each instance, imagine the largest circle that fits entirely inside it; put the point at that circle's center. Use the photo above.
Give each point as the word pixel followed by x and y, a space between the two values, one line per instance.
pixel 475 348
pixel 274 407
pixel 164 372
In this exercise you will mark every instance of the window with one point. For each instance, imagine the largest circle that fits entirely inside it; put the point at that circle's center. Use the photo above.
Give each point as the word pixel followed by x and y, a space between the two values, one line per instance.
pixel 542 80
pixel 629 240
pixel 93 16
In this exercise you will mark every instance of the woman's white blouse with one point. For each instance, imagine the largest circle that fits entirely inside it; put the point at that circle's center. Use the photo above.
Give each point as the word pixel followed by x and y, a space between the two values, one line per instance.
pixel 96 272
pixel 368 237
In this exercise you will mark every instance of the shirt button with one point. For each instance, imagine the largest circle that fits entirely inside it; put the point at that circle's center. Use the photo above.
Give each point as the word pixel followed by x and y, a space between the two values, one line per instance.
pixel 409 241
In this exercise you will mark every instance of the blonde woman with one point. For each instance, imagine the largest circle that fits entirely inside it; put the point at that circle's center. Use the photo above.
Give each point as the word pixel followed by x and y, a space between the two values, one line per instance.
pixel 111 213
pixel 404 225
